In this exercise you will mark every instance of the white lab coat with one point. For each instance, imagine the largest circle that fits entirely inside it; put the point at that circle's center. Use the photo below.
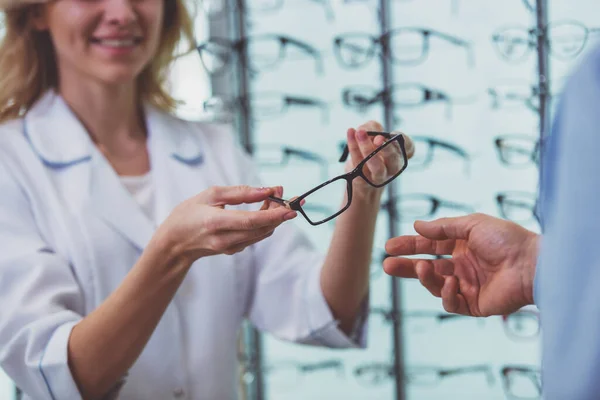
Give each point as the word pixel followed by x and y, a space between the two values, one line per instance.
pixel 70 233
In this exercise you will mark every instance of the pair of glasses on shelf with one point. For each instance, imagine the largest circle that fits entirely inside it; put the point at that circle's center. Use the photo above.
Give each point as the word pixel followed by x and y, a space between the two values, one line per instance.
pixel 516 94
pixel 264 105
pixel 564 39
pixel 403 95
pixel 265 52
pixel 392 151
pixel 407 46
pixel 426 148
pixel 219 8
pixel 374 374
pixel 518 150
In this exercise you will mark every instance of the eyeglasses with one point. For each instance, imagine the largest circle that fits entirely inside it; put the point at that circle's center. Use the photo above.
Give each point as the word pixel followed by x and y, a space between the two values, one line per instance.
pixel 516 206
pixel 265 51
pixel 217 8
pixel 522 382
pixel 522 325
pixel 406 95
pixel 278 156
pixel 518 150
pixel 340 187
pixel 412 206
pixel 264 105
pixel 408 46
pixel 289 374
pixel 439 317
pixel 376 373
pixel 565 39
pixel 425 148
pixel 516 94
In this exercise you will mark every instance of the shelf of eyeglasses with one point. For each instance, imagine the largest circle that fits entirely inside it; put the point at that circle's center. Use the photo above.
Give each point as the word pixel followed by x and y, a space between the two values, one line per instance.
pixel 520 326
pixel 513 150
pixel 408 46
pixel 290 372
pixel 518 381
pixel 216 9
pixel 565 40
pixel 268 105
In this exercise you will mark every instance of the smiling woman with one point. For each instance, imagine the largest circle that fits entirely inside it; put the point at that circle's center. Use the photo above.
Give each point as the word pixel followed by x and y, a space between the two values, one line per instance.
pixel 135 243
pixel 39 36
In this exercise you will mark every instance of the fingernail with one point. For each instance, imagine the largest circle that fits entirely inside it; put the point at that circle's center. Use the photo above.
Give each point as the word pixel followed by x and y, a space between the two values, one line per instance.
pixel 264 189
pixel 290 215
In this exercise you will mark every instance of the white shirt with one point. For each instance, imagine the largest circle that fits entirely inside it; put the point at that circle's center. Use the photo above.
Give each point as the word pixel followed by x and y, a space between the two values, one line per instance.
pixel 70 233
pixel 142 190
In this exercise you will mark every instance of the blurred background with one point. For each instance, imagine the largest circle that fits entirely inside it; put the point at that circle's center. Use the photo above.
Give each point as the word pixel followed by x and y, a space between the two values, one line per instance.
pixel 473 82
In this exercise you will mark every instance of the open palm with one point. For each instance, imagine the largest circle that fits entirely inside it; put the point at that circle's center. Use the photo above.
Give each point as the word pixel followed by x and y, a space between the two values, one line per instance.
pixel 490 271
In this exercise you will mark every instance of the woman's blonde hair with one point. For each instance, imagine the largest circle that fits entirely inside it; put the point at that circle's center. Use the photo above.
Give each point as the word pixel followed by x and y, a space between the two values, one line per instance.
pixel 28 62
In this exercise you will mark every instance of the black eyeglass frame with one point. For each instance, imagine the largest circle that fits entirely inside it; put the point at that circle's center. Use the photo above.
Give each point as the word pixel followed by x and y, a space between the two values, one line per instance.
pixel 296 204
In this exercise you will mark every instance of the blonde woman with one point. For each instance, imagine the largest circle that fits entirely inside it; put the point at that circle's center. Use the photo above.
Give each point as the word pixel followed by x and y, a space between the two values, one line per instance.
pixel 126 265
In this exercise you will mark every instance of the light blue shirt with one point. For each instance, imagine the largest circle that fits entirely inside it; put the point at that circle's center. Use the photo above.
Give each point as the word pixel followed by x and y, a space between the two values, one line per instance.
pixel 568 273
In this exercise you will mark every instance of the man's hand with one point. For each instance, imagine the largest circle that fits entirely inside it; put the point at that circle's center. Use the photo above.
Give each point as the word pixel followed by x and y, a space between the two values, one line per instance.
pixel 491 270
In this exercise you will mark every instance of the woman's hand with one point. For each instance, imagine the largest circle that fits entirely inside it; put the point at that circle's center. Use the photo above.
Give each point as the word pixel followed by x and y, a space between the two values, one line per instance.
pixel 379 168
pixel 202 226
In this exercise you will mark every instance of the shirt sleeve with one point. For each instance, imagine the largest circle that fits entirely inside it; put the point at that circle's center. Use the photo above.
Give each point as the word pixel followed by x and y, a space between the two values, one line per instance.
pixel 568 277
pixel 41 302
pixel 287 299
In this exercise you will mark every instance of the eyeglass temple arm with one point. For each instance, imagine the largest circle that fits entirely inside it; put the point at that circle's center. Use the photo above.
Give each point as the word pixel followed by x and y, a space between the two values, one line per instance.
pixel 346 150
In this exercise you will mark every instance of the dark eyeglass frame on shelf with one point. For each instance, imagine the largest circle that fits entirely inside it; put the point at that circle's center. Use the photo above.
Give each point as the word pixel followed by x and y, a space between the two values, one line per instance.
pixel 244 7
pixel 288 152
pixel 296 204
pixel 531 41
pixel 436 204
pixel 352 98
pixel 228 47
pixel 385 40
pixel 516 198
pixel 432 143
pixel 529 100
pixel 529 314
pixel 532 373
pixel 412 371
pixel 502 145
pixel 287 101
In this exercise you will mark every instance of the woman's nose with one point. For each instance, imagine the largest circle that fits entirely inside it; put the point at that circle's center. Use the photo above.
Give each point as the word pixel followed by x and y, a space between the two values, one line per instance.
pixel 120 12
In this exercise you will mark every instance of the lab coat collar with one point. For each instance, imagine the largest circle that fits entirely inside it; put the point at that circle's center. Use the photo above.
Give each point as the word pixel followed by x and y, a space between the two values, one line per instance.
pixel 60 140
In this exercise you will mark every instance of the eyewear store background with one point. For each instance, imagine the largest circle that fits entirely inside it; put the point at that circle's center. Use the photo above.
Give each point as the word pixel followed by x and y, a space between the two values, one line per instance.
pixel 472 82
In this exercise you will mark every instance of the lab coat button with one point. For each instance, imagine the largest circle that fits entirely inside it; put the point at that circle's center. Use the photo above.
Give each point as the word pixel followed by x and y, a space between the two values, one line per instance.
pixel 178 393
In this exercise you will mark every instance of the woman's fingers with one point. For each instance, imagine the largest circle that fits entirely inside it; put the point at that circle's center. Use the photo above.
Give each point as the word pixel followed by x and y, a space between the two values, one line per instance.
pixel 241 246
pixel 234 195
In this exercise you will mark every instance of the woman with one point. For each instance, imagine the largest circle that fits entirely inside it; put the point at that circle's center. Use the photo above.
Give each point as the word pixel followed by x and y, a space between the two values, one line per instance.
pixel 124 270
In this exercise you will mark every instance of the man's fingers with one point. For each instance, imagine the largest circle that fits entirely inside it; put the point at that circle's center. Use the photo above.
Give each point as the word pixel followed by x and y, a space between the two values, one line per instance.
pixel 407 267
pixel 429 278
pixel 234 195
pixel 400 267
pixel 447 228
pixel 452 300
pixel 414 244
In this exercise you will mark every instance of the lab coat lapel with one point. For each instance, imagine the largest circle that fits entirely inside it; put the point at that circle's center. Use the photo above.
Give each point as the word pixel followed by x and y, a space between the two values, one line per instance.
pixel 177 157
pixel 63 145
pixel 111 201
